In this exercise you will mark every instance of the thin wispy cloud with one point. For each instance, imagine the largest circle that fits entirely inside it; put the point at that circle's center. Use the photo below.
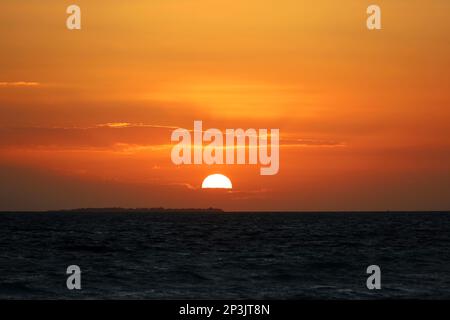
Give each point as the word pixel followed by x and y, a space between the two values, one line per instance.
pixel 121 125
pixel 19 84
pixel 311 143
pixel 121 137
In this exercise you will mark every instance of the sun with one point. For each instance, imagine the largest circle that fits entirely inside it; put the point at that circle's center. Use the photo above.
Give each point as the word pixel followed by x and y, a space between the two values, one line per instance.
pixel 217 181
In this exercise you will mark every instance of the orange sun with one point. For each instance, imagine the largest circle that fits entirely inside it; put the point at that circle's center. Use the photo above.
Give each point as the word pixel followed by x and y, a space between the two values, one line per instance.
pixel 217 181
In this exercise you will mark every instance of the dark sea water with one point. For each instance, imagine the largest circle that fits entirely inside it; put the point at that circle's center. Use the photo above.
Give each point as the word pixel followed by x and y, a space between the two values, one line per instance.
pixel 224 256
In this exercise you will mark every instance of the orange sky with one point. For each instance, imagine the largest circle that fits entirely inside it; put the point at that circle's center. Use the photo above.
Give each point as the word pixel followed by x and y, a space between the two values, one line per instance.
pixel 364 115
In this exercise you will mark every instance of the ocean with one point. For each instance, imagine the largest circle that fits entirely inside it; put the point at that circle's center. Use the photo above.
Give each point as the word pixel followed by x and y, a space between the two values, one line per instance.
pixel 224 255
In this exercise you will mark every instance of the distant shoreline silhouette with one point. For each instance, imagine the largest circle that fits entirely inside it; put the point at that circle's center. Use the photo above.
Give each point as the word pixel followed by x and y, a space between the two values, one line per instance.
pixel 137 210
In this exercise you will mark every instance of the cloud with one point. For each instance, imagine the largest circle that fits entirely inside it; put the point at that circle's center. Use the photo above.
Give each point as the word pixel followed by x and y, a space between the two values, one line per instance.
pixel 17 84
pixel 183 184
pixel 111 138
pixel 311 143
pixel 121 125
pixel 121 137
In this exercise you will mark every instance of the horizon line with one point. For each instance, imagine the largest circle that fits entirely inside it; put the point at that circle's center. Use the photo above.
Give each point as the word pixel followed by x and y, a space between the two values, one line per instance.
pixel 208 210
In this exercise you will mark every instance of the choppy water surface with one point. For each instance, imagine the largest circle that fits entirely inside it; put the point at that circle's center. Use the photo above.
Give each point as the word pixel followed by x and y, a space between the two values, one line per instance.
pixel 224 255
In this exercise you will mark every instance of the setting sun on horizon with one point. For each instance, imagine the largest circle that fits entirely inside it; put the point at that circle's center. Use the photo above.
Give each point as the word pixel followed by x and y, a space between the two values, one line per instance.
pixel 212 153
pixel 217 181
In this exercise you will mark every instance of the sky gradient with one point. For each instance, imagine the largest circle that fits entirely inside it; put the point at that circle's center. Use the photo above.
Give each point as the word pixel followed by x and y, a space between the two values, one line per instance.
pixel 86 116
